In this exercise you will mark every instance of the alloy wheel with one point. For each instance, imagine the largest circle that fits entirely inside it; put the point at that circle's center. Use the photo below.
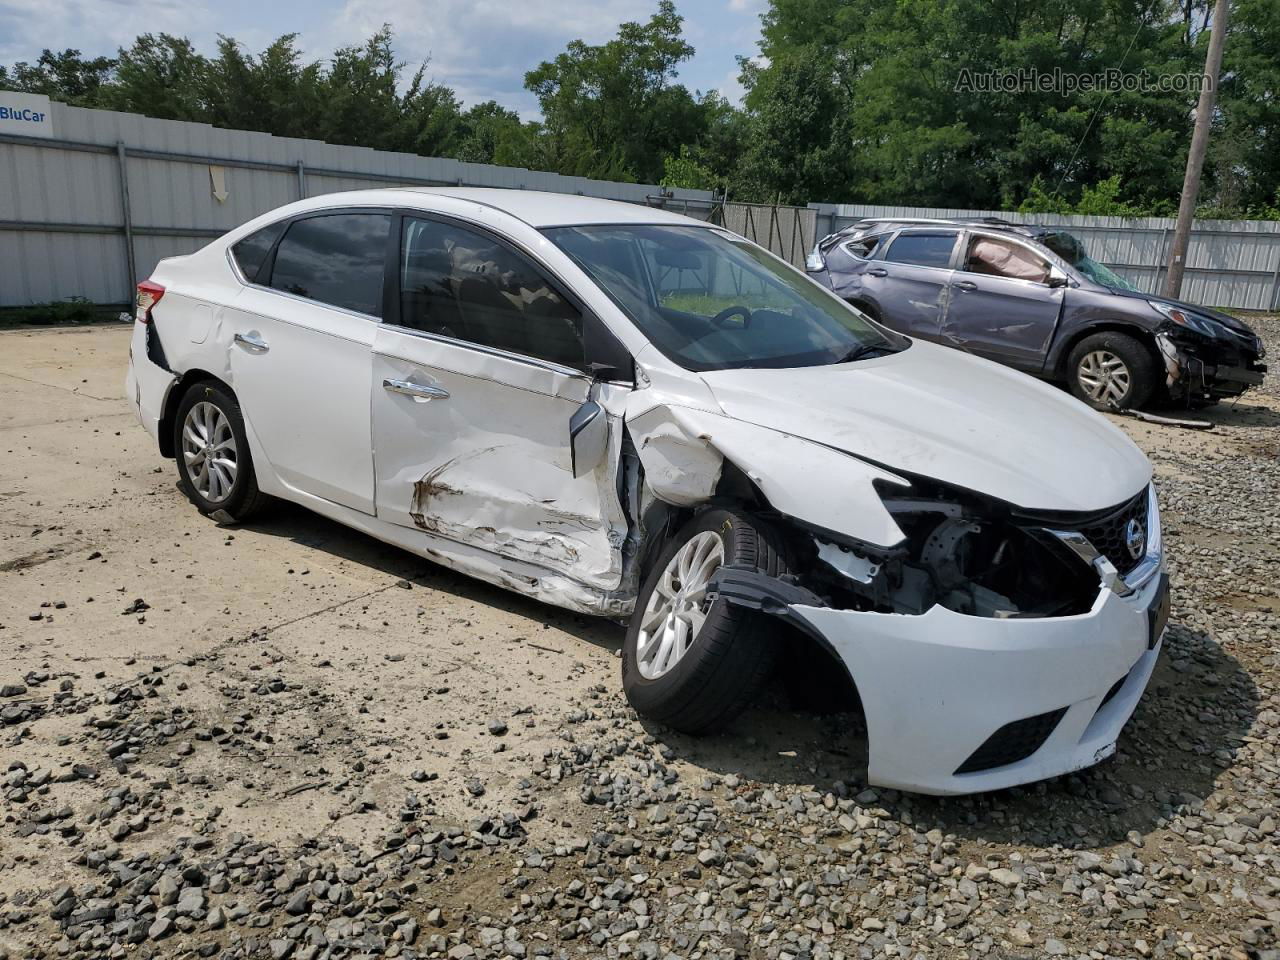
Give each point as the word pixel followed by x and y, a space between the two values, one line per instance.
pixel 1104 377
pixel 209 450
pixel 677 607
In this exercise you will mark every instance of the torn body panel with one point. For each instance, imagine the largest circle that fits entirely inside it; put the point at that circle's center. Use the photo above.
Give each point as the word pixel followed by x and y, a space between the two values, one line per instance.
pixel 1199 369
pixel 485 459
pixel 683 452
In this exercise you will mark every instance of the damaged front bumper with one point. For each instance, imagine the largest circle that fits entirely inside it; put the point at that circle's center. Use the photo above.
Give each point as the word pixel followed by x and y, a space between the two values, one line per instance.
pixel 957 703
pixel 1196 369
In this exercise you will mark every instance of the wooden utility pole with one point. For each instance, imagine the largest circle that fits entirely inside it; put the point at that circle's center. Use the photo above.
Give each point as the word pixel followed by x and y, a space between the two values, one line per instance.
pixel 1199 143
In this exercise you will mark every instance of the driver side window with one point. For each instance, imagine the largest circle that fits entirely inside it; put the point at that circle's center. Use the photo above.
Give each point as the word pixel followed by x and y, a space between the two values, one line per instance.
pixel 1003 258
pixel 463 284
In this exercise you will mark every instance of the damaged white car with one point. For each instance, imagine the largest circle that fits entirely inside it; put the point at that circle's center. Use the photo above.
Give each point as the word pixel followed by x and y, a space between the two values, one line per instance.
pixel 633 414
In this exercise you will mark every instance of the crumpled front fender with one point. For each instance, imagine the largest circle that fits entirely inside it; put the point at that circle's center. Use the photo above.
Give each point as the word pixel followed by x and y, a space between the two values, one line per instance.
pixel 683 452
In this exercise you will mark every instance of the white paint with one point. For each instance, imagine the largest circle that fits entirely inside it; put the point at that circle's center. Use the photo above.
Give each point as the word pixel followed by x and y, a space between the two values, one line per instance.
pixel 307 395
pixel 489 464
pixel 944 414
pixel 935 686
pixel 25 114
pixel 481 481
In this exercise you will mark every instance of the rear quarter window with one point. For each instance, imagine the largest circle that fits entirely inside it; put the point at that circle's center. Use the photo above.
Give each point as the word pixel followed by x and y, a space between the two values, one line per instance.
pixel 251 252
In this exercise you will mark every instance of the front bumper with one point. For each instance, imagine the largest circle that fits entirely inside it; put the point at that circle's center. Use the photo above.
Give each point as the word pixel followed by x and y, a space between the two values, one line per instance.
pixel 1204 370
pixel 937 686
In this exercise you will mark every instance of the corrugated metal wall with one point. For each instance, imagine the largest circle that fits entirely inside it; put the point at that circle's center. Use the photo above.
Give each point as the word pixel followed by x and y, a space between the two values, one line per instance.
pixel 790 232
pixel 1230 263
pixel 63 216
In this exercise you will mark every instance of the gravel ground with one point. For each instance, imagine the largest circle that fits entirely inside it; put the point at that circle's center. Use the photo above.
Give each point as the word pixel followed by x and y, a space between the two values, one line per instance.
pixel 289 741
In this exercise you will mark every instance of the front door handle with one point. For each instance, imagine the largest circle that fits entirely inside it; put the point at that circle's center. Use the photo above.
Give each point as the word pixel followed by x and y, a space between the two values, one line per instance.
pixel 877 272
pixel 418 391
pixel 252 340
pixel 966 285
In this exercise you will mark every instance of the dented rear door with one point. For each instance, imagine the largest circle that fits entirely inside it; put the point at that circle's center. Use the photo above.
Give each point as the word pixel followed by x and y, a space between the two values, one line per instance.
pixel 472 445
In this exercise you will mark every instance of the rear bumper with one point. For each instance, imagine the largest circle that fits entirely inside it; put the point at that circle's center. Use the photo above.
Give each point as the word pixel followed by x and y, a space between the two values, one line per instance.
pixel 936 687
pixel 146 383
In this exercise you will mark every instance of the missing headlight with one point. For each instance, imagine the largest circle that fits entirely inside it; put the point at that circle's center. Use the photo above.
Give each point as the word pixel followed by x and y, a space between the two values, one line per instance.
pixel 975 565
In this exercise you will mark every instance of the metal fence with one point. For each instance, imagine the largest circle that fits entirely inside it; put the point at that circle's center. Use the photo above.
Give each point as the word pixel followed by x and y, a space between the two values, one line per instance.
pixel 88 211
pixel 1230 263
pixel 790 232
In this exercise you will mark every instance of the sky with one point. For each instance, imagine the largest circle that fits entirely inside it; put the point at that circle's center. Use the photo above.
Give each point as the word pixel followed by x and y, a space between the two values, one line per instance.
pixel 481 48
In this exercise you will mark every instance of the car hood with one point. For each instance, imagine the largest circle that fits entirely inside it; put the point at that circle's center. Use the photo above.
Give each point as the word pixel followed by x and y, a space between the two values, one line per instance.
pixel 1228 321
pixel 940 413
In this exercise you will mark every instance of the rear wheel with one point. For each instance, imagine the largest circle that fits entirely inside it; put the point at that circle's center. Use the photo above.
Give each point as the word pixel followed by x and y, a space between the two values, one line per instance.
pixel 214 464
pixel 688 663
pixel 1111 370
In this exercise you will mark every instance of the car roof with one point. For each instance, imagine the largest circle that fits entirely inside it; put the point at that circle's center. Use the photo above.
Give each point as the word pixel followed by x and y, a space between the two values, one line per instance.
pixel 542 209
pixel 873 225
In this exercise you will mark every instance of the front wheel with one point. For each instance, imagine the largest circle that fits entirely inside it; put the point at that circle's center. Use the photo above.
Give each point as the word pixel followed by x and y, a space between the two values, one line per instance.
pixel 692 664
pixel 214 464
pixel 1110 371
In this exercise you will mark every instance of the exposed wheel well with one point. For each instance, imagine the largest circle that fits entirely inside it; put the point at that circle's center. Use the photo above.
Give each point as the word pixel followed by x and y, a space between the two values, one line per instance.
pixel 1106 326
pixel 176 393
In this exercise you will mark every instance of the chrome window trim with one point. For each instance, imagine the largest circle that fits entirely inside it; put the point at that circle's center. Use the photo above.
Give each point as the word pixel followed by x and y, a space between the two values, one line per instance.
pixel 547 365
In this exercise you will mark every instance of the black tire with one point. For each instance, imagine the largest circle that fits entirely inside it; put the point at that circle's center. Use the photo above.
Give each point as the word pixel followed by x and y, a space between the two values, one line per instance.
pixel 730 657
pixel 244 498
pixel 1140 367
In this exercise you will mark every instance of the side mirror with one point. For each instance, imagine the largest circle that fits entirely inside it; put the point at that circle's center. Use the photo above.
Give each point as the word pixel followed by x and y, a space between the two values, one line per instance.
pixel 588 438
pixel 1057 280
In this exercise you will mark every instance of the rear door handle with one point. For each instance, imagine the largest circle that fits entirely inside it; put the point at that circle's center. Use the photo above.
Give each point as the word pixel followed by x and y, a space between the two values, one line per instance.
pixel 418 391
pixel 877 272
pixel 966 285
pixel 252 340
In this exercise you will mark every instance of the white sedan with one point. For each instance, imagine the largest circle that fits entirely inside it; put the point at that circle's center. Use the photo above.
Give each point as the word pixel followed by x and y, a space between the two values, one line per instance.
pixel 634 414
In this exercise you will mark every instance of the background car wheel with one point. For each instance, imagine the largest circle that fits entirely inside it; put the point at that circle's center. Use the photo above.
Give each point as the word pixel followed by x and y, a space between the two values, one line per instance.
pixel 1111 369
pixel 214 465
pixel 692 665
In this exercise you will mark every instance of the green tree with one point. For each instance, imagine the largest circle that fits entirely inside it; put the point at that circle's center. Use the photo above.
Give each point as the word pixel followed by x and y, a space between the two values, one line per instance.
pixel 274 92
pixel 66 76
pixel 159 76
pixel 614 110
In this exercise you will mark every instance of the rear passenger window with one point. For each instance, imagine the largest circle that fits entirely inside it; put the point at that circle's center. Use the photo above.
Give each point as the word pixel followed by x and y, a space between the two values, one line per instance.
pixel 335 259
pixel 462 284
pixel 922 249
pixel 864 248
pixel 251 252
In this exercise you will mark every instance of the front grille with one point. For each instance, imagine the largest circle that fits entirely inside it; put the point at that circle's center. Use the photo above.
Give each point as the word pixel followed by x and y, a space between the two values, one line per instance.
pixel 1109 535
pixel 1013 742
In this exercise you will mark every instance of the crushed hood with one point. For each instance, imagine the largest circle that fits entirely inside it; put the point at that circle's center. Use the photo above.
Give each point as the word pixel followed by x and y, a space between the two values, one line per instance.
pixel 944 414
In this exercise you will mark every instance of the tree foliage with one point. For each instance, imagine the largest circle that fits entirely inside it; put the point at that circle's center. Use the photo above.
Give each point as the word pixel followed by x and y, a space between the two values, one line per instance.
pixel 874 101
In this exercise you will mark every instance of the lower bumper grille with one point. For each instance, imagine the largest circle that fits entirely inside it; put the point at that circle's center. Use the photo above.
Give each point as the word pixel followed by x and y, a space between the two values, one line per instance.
pixel 1013 742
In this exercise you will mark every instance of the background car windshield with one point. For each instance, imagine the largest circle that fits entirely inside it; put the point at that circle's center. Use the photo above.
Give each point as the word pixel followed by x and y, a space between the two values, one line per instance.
pixel 711 302
pixel 1070 249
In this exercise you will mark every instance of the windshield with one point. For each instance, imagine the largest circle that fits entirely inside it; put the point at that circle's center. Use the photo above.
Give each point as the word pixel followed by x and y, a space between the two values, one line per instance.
pixel 1070 249
pixel 712 302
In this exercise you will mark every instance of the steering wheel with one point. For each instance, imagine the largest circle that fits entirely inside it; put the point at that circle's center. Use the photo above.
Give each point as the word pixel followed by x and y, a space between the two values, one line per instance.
pixel 736 310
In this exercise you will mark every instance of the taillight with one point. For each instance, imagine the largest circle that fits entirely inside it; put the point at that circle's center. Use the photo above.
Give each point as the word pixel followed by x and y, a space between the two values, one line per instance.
pixel 149 294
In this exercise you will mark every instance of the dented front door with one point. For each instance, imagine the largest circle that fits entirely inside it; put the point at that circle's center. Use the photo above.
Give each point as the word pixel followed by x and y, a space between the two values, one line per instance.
pixel 472 445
